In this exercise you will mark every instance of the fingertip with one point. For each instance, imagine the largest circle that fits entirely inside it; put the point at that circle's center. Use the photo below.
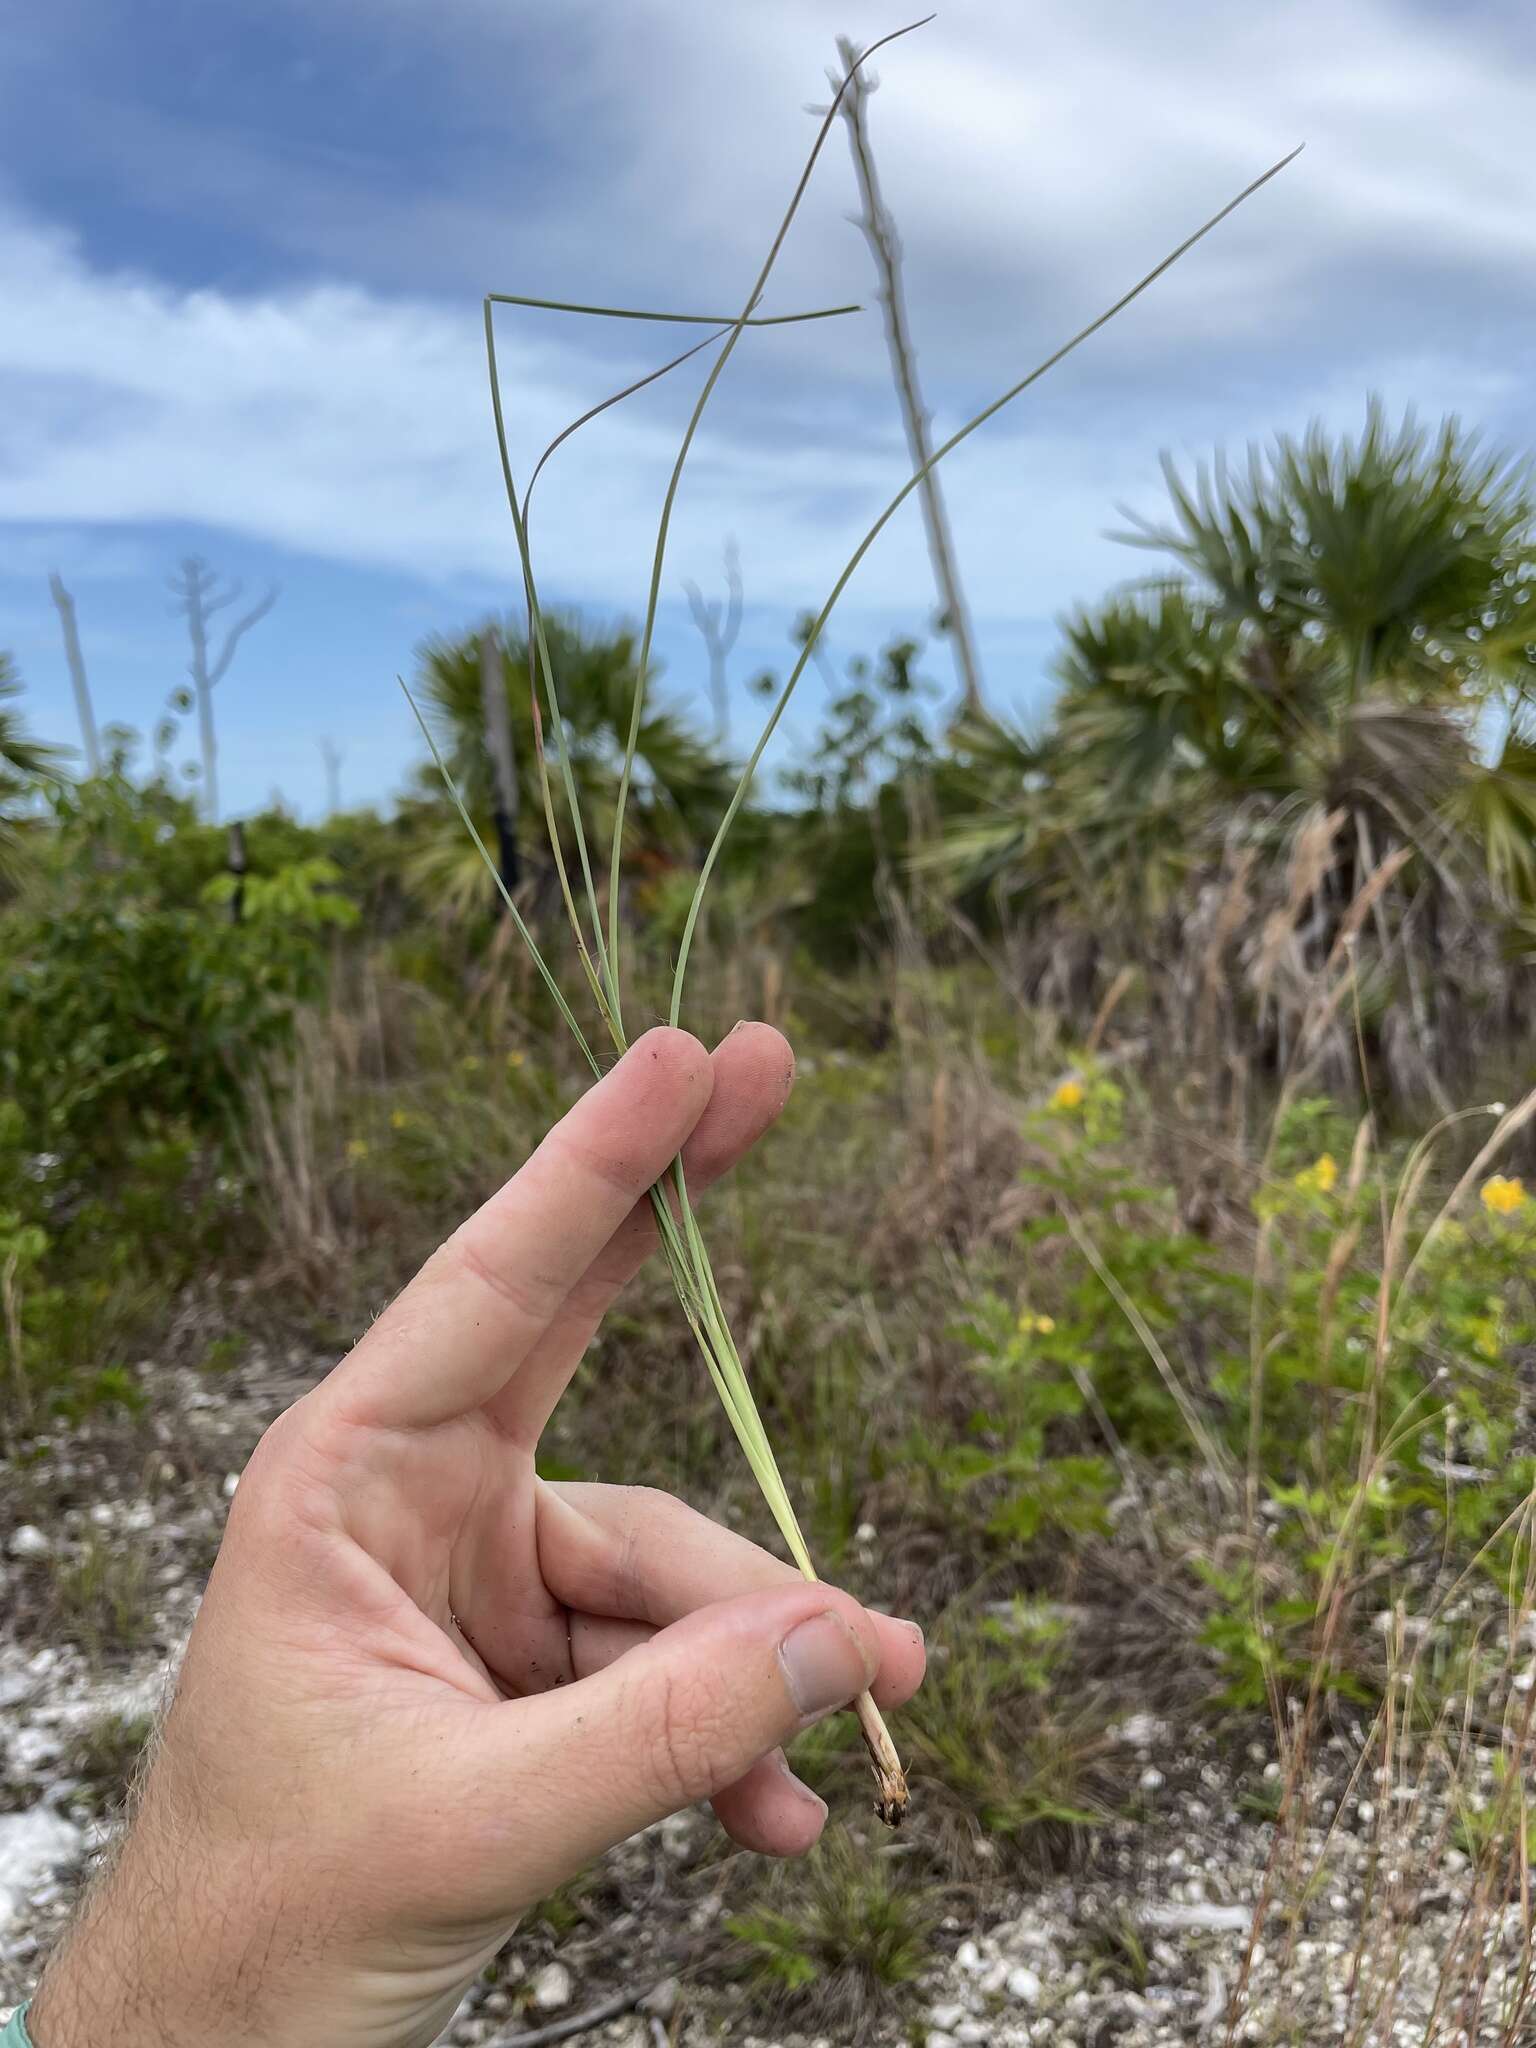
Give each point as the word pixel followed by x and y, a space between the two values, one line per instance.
pixel 673 1068
pixel 770 1811
pixel 676 1052
pixel 765 1050
pixel 754 1071
pixel 903 1660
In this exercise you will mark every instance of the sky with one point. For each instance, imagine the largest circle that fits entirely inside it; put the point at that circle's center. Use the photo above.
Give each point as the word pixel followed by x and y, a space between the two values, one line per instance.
pixel 243 250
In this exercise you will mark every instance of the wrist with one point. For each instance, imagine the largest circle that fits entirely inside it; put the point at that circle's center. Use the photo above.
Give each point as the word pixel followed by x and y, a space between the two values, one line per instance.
pixel 147 1963
pixel 182 1945
pixel 106 1981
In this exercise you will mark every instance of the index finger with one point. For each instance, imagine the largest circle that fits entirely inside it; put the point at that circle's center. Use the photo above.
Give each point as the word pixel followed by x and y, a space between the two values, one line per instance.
pixel 629 1554
pixel 482 1301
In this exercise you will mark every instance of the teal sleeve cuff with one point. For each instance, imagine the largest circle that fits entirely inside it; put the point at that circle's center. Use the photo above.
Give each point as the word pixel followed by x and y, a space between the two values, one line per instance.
pixel 16 2035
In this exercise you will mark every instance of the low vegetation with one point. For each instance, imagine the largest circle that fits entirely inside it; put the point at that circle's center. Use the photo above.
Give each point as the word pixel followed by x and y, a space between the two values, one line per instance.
pixel 1141 1287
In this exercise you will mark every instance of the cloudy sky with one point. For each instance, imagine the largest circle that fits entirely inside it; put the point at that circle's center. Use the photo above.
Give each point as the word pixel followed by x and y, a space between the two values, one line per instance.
pixel 242 251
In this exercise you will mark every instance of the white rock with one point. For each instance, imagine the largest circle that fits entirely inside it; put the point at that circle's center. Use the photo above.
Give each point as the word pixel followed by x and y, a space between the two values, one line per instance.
pixel 1139 1730
pixel 552 1987
pixel 1199 1919
pixel 972 2034
pixel 231 1482
pixel 1151 1779
pixel 946 2017
pixel 1024 1985
pixel 662 1998
pixel 29 1541
pixel 968 1956
pixel 31 1845
pixel 936 2038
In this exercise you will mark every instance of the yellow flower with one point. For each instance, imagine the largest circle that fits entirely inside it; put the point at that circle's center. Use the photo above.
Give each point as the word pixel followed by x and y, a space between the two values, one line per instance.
pixel 1321 1177
pixel 1068 1096
pixel 1045 1325
pixel 1501 1196
pixel 1031 1325
pixel 1485 1336
pixel 357 1148
pixel 400 1119
pixel 516 1060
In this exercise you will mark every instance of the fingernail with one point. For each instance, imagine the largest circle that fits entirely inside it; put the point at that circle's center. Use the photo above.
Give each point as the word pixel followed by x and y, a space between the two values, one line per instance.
pixel 823 1664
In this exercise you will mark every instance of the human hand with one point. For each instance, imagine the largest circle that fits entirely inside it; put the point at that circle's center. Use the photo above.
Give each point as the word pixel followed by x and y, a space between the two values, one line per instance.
pixel 425 1687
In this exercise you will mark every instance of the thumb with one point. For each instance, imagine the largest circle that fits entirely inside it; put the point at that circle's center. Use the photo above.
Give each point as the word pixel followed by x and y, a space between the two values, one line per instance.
pixel 686 1714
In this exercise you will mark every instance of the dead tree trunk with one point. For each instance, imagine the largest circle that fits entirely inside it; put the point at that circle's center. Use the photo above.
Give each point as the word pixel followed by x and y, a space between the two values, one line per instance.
pixel 237 865
pixel 719 633
pixel 77 677
pixel 885 246
pixel 197 597
pixel 331 755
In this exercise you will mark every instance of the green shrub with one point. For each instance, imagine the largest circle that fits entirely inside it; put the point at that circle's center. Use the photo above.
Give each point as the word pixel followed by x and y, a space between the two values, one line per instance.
pixel 839 1935
pixel 1259 1356
pixel 134 1009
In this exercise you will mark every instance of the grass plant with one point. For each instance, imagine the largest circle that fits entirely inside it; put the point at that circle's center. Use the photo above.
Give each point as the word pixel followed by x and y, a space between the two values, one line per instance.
pixel 599 936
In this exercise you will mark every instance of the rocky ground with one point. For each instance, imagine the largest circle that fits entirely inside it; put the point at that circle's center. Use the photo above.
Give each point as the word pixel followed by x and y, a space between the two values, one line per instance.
pixel 1380 1932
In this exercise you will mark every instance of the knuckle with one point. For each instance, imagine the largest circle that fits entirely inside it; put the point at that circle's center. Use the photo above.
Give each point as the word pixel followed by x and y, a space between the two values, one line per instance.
pixel 297 1462
pixel 530 1297
pixel 649 1517
pixel 275 1450
pixel 684 1728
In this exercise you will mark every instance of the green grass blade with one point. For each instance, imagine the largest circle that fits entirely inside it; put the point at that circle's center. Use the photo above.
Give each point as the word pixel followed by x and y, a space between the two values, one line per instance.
pixel 617 398
pixel 945 448
pixel 681 319
pixel 539 641
pixel 494 872
pixel 664 525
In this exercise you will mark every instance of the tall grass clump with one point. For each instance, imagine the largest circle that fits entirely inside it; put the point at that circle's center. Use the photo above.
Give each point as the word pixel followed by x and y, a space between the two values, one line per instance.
pixel 597 926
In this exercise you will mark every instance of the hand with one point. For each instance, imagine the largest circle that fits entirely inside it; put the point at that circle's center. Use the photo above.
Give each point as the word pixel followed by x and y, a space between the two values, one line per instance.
pixel 425 1687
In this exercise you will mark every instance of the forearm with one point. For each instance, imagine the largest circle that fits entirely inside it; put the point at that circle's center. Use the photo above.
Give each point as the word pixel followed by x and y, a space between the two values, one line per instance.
pixel 131 1972
pixel 184 1942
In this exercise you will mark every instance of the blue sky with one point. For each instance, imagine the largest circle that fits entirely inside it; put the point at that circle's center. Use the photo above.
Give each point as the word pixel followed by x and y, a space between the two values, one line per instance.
pixel 242 251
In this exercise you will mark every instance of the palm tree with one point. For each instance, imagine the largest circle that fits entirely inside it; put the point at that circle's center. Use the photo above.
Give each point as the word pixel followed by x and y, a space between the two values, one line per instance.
pixel 22 761
pixel 1350 640
pixel 679 789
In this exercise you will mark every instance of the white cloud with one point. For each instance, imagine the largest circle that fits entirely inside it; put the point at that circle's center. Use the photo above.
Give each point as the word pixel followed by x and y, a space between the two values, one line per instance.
pixel 1039 159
